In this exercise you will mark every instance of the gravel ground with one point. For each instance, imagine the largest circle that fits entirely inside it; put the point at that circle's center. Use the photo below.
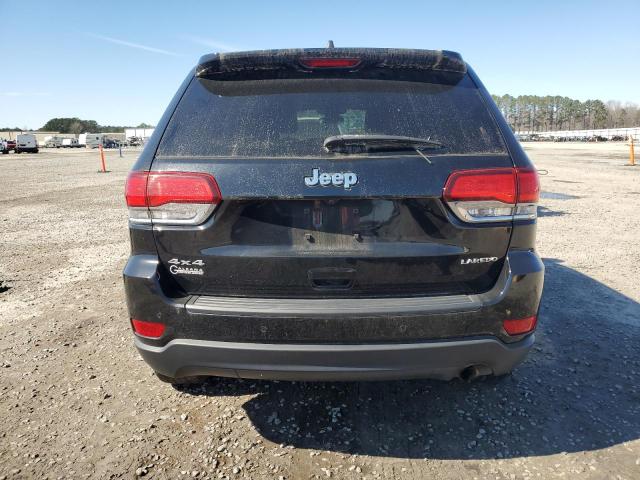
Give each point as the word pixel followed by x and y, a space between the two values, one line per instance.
pixel 76 401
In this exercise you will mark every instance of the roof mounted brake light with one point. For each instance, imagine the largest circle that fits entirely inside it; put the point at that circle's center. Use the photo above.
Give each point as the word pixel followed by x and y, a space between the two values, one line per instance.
pixel 322 62
pixel 299 63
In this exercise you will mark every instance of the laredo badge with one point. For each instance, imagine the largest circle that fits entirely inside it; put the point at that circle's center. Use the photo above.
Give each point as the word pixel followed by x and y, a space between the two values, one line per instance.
pixel 467 261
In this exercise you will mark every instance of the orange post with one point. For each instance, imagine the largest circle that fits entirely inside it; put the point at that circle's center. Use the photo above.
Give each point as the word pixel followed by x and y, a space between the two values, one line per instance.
pixel 104 167
pixel 632 153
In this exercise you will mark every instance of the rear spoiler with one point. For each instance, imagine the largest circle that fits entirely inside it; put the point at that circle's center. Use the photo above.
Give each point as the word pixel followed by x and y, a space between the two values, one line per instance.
pixel 381 63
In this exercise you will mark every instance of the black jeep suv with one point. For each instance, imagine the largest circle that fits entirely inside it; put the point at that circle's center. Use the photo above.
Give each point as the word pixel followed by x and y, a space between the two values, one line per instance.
pixel 333 214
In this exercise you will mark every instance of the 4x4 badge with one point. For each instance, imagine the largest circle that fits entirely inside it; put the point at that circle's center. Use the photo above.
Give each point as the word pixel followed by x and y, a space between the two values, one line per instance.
pixel 345 180
pixel 186 267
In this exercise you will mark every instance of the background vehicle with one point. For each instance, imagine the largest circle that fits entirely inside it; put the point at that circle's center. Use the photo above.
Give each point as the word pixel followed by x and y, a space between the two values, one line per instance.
pixel 26 142
pixel 110 143
pixel 135 141
pixel 8 146
pixel 70 143
pixel 53 142
pixel 296 217
pixel 93 140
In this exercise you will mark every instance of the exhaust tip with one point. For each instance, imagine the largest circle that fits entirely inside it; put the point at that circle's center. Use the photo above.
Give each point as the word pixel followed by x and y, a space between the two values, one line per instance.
pixel 473 372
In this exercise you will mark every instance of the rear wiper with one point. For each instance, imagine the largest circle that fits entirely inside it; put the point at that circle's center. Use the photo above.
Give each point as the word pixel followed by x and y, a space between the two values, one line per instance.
pixel 379 143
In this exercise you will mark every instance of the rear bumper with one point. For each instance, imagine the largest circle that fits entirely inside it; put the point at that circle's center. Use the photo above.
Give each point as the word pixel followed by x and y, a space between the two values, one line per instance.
pixel 441 360
pixel 333 339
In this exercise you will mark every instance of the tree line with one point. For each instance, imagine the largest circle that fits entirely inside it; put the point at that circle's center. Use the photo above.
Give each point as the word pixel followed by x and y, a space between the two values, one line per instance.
pixel 75 125
pixel 524 113
pixel 536 113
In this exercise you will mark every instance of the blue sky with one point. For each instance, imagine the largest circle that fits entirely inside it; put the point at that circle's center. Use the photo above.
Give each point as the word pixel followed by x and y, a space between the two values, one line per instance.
pixel 120 62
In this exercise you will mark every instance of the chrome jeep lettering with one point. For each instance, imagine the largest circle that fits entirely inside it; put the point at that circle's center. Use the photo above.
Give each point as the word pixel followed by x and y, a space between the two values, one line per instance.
pixel 345 180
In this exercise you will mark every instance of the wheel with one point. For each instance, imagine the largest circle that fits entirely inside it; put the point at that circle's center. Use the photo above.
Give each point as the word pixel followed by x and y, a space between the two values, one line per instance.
pixel 36 151
pixel 182 381
pixel 18 151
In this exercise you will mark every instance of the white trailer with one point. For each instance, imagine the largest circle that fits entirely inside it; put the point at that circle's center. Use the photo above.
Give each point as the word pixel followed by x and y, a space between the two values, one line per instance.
pixel 70 143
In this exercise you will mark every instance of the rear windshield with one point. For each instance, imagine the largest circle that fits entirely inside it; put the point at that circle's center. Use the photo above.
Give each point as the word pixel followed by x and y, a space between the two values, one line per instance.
pixel 292 118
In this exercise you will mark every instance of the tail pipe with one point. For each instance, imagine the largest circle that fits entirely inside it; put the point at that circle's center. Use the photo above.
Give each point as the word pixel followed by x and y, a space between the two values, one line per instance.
pixel 475 371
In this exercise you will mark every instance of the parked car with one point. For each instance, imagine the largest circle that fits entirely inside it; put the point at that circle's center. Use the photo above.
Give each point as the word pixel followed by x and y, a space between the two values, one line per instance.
pixel 110 143
pixel 26 142
pixel 333 214
pixel 8 145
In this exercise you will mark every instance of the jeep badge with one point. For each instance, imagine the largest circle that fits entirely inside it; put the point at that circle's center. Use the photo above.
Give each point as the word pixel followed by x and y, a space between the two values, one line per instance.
pixel 340 179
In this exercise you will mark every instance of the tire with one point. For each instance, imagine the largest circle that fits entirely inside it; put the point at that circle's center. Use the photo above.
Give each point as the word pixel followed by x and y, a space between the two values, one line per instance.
pixel 18 151
pixel 36 151
pixel 179 382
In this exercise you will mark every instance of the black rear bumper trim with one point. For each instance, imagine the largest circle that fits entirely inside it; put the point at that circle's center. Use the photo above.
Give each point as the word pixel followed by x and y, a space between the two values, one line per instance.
pixel 330 306
pixel 439 360
pixel 315 307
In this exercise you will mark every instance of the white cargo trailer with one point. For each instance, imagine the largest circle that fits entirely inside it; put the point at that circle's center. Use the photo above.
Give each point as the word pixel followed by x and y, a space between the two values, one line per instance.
pixel 70 143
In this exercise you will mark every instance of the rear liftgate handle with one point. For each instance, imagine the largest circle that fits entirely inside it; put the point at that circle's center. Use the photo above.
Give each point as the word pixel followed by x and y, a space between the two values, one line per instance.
pixel 331 278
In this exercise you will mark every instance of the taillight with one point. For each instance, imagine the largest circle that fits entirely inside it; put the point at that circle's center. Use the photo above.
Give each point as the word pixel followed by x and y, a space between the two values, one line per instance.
pixel 528 193
pixel 518 326
pixel 493 194
pixel 148 329
pixel 181 198
pixel 136 189
pixel 528 185
pixel 322 62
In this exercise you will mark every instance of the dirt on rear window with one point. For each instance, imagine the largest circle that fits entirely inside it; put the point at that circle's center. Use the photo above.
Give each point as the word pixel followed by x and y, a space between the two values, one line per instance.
pixel 291 118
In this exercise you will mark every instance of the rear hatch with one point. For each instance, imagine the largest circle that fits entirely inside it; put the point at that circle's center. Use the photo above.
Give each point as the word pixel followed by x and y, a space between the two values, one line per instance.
pixel 300 216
